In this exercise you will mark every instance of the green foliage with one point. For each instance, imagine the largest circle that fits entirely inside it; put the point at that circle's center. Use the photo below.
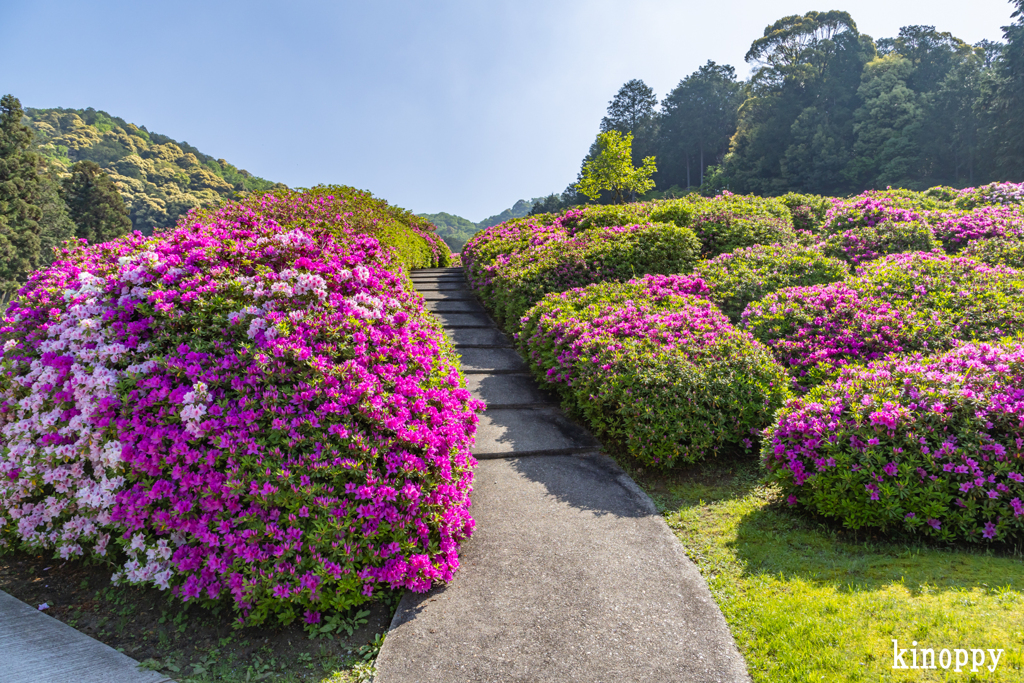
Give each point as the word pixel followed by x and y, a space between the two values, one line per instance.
pixel 21 194
pixel 612 169
pixel 665 403
pixel 724 232
pixel 807 211
pixel 593 255
pixel 159 178
pixel 749 274
pixel 94 204
pixel 865 243
pixel 997 251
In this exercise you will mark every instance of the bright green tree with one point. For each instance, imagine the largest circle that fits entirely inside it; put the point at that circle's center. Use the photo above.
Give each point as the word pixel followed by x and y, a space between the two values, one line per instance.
pixel 95 205
pixel 612 169
pixel 21 190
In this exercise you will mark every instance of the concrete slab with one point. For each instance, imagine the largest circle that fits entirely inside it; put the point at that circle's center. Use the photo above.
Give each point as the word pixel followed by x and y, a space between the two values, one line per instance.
pixel 508 432
pixel 507 391
pixel 570 575
pixel 441 286
pixel 450 320
pixel 39 649
pixel 456 306
pixel 449 295
pixel 469 337
pixel 491 361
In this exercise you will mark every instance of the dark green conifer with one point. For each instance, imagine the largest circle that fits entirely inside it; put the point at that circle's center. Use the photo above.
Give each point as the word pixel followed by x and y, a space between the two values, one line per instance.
pixel 21 190
pixel 94 204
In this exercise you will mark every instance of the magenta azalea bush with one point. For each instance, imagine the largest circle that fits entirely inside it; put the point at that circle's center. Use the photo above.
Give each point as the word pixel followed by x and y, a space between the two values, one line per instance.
pixel 250 407
pixel 902 303
pixel 930 445
pixel 655 367
pixel 957 229
pixel 993 194
pixel 997 251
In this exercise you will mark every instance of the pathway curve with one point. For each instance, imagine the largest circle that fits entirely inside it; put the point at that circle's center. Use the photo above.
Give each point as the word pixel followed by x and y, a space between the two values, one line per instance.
pixel 571 573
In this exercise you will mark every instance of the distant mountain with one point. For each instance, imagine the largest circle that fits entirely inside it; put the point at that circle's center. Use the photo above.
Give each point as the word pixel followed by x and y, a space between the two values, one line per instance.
pixel 456 230
pixel 159 178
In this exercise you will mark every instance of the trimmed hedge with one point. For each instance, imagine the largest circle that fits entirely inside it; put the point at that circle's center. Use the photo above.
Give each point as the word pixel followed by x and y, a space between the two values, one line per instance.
pixel 927 445
pixel 745 275
pixel 663 374
pixel 869 242
pixel 594 255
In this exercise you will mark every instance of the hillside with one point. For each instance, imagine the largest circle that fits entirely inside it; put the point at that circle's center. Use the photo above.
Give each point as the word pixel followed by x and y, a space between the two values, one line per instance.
pixel 456 230
pixel 159 178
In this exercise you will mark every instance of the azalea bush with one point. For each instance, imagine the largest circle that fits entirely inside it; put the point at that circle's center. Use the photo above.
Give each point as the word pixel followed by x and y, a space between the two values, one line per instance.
pixel 956 229
pixel 929 445
pixel 997 251
pixel 250 407
pixel 865 243
pixel 744 275
pixel 592 255
pixel 653 367
pixel 993 194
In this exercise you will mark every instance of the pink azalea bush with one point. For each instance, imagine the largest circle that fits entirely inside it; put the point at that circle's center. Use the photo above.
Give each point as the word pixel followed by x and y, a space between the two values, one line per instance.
pixel 993 194
pixel 251 406
pixel 905 302
pixel 956 229
pixel 654 366
pixel 930 445
pixel 865 243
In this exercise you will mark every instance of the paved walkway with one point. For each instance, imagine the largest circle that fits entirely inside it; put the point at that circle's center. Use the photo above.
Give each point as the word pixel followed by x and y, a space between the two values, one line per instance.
pixel 36 648
pixel 571 574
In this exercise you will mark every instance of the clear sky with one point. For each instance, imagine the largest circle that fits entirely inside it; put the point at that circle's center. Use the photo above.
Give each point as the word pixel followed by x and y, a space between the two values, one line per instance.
pixel 461 106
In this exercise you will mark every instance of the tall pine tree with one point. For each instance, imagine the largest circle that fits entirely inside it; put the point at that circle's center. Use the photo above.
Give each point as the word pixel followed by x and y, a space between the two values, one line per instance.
pixel 21 193
pixel 94 204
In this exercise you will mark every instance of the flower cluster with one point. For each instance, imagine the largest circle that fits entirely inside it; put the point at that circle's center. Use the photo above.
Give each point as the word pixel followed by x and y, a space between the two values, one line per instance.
pixel 654 366
pixel 955 229
pixel 253 406
pixel 990 195
pixel 932 445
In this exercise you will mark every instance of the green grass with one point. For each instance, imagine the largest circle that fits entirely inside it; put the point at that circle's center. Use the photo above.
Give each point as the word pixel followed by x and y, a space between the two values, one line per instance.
pixel 808 601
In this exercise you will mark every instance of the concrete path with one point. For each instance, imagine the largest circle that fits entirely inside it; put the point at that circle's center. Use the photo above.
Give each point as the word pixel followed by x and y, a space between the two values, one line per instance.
pixel 571 574
pixel 36 648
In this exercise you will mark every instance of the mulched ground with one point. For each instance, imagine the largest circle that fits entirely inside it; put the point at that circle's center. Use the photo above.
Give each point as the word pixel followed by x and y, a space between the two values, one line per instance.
pixel 186 642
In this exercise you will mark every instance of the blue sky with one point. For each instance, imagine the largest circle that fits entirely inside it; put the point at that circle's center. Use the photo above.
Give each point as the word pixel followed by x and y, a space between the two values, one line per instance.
pixel 444 105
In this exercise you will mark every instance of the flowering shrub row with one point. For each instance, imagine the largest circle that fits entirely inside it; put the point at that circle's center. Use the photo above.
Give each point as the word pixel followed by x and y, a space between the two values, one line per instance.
pixel 250 407
pixel 993 194
pixel 932 445
pixel 654 366
pixel 745 275
pixel 902 303
pixel 865 243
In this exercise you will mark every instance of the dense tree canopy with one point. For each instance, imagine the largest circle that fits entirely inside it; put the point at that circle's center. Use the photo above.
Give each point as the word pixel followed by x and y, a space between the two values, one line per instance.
pixel 21 197
pixel 94 204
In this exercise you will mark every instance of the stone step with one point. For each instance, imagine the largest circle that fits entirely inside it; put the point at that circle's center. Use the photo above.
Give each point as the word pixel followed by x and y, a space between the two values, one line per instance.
pixel 477 337
pixel 441 286
pixel 506 391
pixel 511 432
pixel 484 361
pixel 456 306
pixel 453 295
pixel 426 271
pixel 453 320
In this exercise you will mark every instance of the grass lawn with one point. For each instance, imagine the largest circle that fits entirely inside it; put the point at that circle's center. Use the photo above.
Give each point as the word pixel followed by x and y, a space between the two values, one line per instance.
pixel 192 645
pixel 809 601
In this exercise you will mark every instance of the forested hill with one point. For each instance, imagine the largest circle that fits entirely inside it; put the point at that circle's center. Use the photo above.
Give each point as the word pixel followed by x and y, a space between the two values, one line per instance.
pixel 456 230
pixel 159 178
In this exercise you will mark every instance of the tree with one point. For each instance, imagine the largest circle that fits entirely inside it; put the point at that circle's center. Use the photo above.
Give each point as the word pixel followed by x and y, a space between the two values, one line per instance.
pixel 94 204
pixel 1007 110
pixel 631 111
pixel 612 169
pixel 20 196
pixel 795 129
pixel 697 120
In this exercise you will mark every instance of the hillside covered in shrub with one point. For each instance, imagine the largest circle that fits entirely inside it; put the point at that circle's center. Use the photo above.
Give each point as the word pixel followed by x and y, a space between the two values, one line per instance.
pixel 867 346
pixel 253 407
